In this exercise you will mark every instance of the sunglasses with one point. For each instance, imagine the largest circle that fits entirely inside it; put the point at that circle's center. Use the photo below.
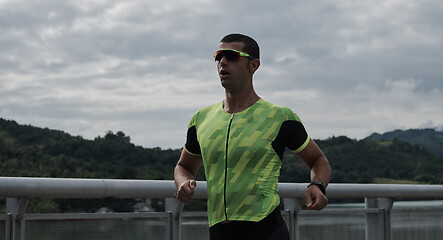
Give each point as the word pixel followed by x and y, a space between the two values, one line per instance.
pixel 230 55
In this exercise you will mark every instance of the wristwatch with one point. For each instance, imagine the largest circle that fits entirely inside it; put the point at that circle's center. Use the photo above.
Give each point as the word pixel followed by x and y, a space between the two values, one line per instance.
pixel 319 185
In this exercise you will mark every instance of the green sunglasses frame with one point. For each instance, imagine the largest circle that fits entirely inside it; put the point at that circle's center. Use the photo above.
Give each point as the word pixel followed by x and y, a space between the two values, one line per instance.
pixel 241 54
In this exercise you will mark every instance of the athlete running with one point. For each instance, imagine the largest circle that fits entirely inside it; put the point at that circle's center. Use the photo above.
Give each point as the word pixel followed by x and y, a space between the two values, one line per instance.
pixel 241 141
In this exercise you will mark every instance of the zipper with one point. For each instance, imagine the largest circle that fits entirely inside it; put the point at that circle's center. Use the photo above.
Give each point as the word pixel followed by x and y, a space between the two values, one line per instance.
pixel 226 163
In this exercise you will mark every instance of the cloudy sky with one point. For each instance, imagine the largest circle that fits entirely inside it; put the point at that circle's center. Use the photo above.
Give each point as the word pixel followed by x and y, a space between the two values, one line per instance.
pixel 145 66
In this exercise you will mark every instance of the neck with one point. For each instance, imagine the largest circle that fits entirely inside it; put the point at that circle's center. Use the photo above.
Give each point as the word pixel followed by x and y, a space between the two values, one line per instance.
pixel 237 102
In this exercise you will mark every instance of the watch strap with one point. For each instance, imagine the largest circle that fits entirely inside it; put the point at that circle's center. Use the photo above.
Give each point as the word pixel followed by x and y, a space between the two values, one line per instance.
pixel 319 185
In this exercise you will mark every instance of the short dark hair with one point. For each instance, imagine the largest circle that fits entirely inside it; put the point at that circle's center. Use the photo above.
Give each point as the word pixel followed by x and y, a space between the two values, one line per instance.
pixel 250 45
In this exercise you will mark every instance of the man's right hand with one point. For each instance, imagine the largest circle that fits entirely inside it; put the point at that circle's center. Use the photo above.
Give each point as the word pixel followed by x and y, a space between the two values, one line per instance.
pixel 186 191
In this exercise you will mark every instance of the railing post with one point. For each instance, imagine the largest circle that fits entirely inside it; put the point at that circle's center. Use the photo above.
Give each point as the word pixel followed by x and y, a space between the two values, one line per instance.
pixel 378 227
pixel 386 204
pixel 16 207
pixel 8 226
pixel 176 208
pixel 372 221
pixel 293 205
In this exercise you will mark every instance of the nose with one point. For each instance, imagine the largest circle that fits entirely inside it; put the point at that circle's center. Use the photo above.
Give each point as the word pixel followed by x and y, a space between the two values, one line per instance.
pixel 223 61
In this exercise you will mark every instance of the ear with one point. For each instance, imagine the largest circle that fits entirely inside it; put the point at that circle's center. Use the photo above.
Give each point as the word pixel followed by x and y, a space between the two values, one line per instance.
pixel 254 65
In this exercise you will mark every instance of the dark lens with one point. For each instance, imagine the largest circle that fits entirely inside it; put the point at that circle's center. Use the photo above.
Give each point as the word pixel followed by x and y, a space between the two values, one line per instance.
pixel 219 55
pixel 229 55
pixel 232 56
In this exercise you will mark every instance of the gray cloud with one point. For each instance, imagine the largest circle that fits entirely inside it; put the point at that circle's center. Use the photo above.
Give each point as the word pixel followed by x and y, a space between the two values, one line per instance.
pixel 144 67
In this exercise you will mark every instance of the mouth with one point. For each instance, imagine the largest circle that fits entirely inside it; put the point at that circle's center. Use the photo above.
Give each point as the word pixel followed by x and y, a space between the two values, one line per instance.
pixel 224 73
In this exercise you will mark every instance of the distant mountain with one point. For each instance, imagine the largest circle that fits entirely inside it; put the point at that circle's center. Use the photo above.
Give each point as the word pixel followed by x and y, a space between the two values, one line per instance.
pixel 368 161
pixel 27 151
pixel 429 139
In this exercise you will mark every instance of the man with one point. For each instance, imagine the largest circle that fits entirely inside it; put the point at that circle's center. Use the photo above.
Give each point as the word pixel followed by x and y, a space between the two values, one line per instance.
pixel 241 141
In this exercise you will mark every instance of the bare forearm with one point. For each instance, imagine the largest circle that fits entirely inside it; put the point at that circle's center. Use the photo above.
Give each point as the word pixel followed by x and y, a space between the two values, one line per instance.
pixel 181 175
pixel 186 168
pixel 321 171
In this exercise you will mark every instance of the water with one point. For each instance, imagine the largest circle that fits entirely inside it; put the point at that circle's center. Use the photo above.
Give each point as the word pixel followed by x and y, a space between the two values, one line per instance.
pixel 335 223
pixel 104 229
pixel 417 225
pixel 405 225
pixel 415 220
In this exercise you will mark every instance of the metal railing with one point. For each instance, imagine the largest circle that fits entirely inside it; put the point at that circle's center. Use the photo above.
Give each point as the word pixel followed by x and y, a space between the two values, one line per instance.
pixel 379 199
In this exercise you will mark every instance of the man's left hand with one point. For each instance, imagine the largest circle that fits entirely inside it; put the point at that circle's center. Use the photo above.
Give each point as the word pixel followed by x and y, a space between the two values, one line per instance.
pixel 315 200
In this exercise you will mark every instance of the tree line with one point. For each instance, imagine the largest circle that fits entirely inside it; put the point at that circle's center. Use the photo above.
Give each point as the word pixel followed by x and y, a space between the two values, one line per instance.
pixel 27 151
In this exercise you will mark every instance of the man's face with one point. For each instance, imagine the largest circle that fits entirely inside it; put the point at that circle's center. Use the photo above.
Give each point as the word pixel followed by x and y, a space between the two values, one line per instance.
pixel 233 74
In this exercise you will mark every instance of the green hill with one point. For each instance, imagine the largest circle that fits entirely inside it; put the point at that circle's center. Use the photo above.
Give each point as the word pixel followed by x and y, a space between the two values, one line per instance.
pixel 36 152
pixel 27 151
pixel 367 161
pixel 429 139
pixel 32 151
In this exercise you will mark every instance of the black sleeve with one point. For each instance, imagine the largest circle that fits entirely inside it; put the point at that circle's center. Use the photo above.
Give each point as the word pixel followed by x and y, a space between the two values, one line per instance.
pixel 292 134
pixel 192 144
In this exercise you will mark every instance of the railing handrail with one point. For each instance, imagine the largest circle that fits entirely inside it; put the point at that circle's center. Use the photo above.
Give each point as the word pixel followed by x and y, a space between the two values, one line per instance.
pixel 36 187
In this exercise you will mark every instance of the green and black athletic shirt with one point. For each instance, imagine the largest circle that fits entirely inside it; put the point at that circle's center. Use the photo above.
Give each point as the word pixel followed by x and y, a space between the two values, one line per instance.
pixel 242 155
